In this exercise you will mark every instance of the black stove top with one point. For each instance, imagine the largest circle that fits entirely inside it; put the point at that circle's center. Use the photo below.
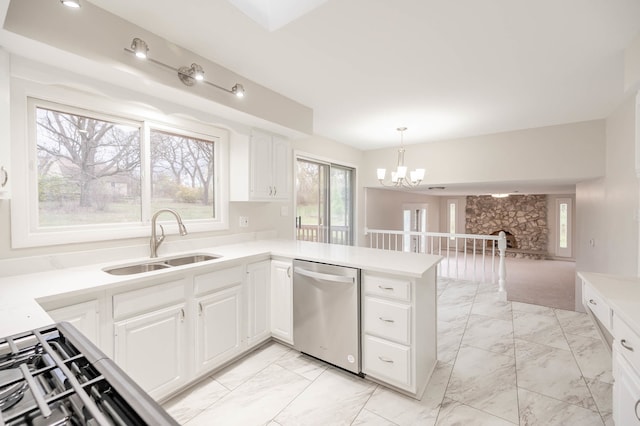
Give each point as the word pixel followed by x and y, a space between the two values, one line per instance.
pixel 56 376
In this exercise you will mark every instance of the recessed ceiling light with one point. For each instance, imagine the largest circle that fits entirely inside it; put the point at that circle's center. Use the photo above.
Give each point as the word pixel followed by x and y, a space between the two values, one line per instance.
pixel 71 3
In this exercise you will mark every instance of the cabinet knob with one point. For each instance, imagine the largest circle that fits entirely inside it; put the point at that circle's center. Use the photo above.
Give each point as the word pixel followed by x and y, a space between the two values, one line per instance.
pixel 289 272
pixel 4 176
pixel 275 191
pixel 181 314
pixel 200 308
pixel 593 302
pixel 623 343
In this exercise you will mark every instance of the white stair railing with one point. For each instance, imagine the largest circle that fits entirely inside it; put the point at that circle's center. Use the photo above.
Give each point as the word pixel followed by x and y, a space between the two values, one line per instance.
pixel 466 256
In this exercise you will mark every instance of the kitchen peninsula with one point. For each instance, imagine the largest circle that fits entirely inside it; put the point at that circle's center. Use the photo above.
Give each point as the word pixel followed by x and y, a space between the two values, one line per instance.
pixel 212 312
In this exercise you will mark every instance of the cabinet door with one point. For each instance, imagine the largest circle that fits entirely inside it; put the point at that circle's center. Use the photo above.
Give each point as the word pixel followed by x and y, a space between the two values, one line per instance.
pixel 626 392
pixel 282 301
pixel 218 328
pixel 281 179
pixel 261 186
pixel 151 349
pixel 84 316
pixel 258 301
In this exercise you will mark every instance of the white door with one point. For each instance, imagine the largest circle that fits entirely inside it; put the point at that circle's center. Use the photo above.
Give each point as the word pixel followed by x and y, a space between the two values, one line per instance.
pixel 260 166
pixel 258 301
pixel 563 227
pixel 414 219
pixel 218 328
pixel 282 301
pixel 150 348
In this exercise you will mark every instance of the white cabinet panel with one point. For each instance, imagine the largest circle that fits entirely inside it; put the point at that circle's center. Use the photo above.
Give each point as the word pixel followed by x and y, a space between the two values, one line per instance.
pixel 387 360
pixel 387 319
pixel 282 301
pixel 258 301
pixel 626 392
pixel 150 348
pixel 218 328
pixel 84 316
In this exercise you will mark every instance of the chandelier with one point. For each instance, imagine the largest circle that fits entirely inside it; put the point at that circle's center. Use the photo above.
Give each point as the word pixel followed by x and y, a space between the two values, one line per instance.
pixel 399 177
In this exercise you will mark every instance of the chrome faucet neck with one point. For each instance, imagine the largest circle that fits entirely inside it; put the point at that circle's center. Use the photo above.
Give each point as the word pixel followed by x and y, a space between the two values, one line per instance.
pixel 155 241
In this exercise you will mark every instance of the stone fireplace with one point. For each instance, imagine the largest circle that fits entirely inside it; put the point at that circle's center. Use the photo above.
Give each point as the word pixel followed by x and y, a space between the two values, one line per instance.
pixel 523 218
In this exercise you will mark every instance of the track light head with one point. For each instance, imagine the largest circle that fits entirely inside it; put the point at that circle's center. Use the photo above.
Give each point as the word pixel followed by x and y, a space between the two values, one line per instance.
pixel 238 90
pixel 71 3
pixel 197 71
pixel 140 48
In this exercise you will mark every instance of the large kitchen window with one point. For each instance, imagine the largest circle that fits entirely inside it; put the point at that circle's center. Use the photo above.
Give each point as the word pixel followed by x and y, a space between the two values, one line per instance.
pixel 95 176
pixel 324 202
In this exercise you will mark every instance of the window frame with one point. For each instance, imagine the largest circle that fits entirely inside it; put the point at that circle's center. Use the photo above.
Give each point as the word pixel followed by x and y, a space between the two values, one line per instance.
pixel 26 96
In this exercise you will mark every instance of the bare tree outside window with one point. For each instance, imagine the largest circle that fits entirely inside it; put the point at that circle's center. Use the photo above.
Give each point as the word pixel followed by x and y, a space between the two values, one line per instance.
pixel 182 174
pixel 88 170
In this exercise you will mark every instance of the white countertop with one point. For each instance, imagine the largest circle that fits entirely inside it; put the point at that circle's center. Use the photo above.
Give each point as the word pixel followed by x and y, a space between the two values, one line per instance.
pixel 621 293
pixel 20 311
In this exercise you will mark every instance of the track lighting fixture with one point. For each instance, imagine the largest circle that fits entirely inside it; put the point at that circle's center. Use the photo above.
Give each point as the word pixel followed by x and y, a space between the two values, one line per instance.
pixel 140 48
pixel 238 90
pixel 187 75
pixel 71 3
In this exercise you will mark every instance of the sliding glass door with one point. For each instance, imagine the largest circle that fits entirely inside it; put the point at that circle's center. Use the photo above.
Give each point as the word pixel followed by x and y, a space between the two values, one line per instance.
pixel 324 202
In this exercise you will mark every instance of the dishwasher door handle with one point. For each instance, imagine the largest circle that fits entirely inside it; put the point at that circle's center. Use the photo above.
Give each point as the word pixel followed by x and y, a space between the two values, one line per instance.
pixel 324 277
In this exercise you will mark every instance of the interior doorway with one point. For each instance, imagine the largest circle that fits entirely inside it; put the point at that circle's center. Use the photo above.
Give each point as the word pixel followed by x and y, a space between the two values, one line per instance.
pixel 414 219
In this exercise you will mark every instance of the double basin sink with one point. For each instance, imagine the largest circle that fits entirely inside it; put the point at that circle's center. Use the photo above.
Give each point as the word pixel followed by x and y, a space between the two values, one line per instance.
pixel 156 264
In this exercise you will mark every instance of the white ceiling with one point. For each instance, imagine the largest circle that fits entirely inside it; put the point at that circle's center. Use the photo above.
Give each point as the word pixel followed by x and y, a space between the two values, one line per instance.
pixel 444 69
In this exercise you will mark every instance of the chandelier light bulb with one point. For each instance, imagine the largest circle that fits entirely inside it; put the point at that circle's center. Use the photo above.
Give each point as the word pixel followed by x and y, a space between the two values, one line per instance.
pixel 381 173
pixel 198 72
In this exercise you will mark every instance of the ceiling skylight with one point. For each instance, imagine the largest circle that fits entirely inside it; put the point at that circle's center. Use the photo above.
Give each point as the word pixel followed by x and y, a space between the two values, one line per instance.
pixel 275 14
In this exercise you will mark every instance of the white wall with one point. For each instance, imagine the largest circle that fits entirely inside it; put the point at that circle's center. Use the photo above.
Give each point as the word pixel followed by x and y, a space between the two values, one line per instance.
pixel 607 209
pixel 571 152
pixel 384 208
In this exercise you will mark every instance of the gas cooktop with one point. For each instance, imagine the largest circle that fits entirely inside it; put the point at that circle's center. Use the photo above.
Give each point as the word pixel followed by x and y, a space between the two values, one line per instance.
pixel 55 376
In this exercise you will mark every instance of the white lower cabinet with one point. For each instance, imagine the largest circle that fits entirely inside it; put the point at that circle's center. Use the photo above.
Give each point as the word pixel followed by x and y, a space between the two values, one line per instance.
pixel 282 301
pixel 151 334
pixel 218 327
pixel 85 316
pixel 399 330
pixel 151 349
pixel 258 301
pixel 626 392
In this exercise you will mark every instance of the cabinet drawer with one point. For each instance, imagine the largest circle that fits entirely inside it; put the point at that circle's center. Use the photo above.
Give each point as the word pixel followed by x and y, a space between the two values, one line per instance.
pixel 387 319
pixel 388 287
pixel 597 305
pixel 146 299
pixel 214 281
pixel 387 361
pixel 627 342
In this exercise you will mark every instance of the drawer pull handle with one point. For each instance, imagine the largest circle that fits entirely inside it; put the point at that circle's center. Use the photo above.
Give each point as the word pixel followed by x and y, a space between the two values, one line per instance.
pixel 386 319
pixel 636 409
pixel 593 302
pixel 385 288
pixel 623 342
pixel 383 359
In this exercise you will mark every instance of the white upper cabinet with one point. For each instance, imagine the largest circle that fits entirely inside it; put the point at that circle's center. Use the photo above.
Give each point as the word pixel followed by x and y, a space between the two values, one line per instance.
pixel 260 168
pixel 5 115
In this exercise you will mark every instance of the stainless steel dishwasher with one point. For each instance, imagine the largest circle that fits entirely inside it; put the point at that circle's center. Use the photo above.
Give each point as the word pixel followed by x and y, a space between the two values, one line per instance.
pixel 326 313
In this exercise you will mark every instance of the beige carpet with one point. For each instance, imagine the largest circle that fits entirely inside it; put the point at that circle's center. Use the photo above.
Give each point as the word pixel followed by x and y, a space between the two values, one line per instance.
pixel 542 282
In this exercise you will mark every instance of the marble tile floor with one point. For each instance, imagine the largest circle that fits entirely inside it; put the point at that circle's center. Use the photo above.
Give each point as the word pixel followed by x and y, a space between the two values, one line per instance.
pixel 500 363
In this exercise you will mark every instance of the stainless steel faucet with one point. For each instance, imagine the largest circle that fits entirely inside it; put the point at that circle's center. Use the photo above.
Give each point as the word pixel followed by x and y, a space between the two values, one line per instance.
pixel 155 241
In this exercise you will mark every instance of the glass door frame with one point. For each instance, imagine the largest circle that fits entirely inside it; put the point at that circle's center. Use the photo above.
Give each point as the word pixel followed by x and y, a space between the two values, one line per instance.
pixel 305 156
